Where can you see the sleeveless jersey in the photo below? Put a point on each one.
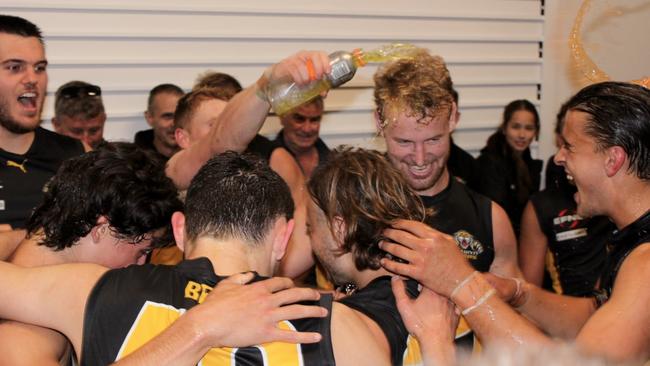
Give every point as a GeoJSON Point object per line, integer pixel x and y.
{"type": "Point", "coordinates": [22, 177]}
{"type": "Point", "coordinates": [128, 307]}
{"type": "Point", "coordinates": [577, 245]}
{"type": "Point", "coordinates": [467, 216]}
{"type": "Point", "coordinates": [377, 302]}
{"type": "Point", "coordinates": [623, 242]}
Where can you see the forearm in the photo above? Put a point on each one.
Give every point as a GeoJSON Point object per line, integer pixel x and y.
{"type": "Point", "coordinates": [493, 320]}
{"type": "Point", "coordinates": [236, 127]}
{"type": "Point", "coordinates": [9, 240]}
{"type": "Point", "coordinates": [183, 343]}
{"type": "Point", "coordinates": [560, 316]}
{"type": "Point", "coordinates": [437, 353]}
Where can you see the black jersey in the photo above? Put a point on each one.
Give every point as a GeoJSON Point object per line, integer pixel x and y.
{"type": "Point", "coordinates": [128, 307]}
{"type": "Point", "coordinates": [377, 302]}
{"type": "Point", "coordinates": [623, 242]}
{"type": "Point", "coordinates": [22, 177]}
{"type": "Point", "coordinates": [262, 147]}
{"type": "Point", "coordinates": [578, 244]}
{"type": "Point", "coordinates": [467, 216]}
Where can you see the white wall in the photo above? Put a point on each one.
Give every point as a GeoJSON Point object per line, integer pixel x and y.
{"type": "Point", "coordinates": [127, 47]}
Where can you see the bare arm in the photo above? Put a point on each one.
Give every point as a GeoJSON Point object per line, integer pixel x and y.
{"type": "Point", "coordinates": [435, 261]}
{"type": "Point", "coordinates": [252, 314]}
{"type": "Point", "coordinates": [505, 244]}
{"type": "Point", "coordinates": [532, 247]}
{"type": "Point", "coordinates": [46, 346]}
{"type": "Point", "coordinates": [242, 118]}
{"type": "Point", "coordinates": [356, 339]}
{"type": "Point", "coordinates": [51, 296]}
{"type": "Point", "coordinates": [9, 241]}
{"type": "Point", "coordinates": [620, 329]}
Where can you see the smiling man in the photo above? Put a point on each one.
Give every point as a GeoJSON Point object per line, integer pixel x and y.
{"type": "Point", "coordinates": [299, 135]}
{"type": "Point", "coordinates": [29, 154]}
{"type": "Point", "coordinates": [79, 112]}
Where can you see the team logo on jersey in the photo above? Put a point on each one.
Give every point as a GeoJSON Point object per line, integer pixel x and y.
{"type": "Point", "coordinates": [567, 219]}
{"type": "Point", "coordinates": [468, 244]}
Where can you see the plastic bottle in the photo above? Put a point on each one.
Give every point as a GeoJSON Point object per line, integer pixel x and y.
{"type": "Point", "coordinates": [285, 95]}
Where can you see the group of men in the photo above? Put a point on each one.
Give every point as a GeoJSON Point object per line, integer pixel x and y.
{"type": "Point", "coordinates": [239, 216]}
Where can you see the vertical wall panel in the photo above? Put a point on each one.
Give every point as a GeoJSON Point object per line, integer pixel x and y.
{"type": "Point", "coordinates": [127, 47]}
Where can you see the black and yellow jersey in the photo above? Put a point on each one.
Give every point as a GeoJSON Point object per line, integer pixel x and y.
{"type": "Point", "coordinates": [129, 306]}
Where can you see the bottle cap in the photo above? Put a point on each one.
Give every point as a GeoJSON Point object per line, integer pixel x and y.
{"type": "Point", "coordinates": [357, 55]}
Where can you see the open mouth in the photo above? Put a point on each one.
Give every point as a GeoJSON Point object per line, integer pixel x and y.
{"type": "Point", "coordinates": [28, 100]}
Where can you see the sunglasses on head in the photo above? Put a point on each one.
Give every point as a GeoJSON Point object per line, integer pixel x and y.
{"type": "Point", "coordinates": [81, 91]}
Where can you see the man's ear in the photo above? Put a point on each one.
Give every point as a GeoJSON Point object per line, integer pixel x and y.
{"type": "Point", "coordinates": [99, 230]}
{"type": "Point", "coordinates": [182, 138]}
{"type": "Point", "coordinates": [379, 123]}
{"type": "Point", "coordinates": [453, 117]}
{"type": "Point", "coordinates": [615, 158]}
{"type": "Point", "coordinates": [149, 118]}
{"type": "Point", "coordinates": [178, 226]}
{"type": "Point", "coordinates": [282, 230]}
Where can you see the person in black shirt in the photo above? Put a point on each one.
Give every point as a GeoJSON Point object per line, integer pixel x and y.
{"type": "Point", "coordinates": [161, 106]}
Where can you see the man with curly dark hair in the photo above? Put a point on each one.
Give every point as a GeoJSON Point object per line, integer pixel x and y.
{"type": "Point", "coordinates": [110, 206]}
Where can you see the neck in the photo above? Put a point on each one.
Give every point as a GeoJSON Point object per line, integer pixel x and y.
{"type": "Point", "coordinates": [363, 278]}
{"type": "Point", "coordinates": [15, 143]}
{"type": "Point", "coordinates": [164, 149]}
{"type": "Point", "coordinates": [439, 185]}
{"type": "Point", "coordinates": [630, 203]}
{"type": "Point", "coordinates": [30, 254]}
{"type": "Point", "coordinates": [229, 256]}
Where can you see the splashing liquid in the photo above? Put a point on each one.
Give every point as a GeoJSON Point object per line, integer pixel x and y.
{"type": "Point", "coordinates": [285, 95]}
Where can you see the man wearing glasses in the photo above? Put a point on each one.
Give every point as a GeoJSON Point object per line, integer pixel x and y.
{"type": "Point", "coordinates": [79, 112]}
{"type": "Point", "coordinates": [29, 154]}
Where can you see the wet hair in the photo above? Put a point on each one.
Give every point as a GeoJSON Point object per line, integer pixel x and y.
{"type": "Point", "coordinates": [420, 86]}
{"type": "Point", "coordinates": [363, 189]}
{"type": "Point", "coordinates": [84, 106]}
{"type": "Point", "coordinates": [118, 181]}
{"type": "Point", "coordinates": [236, 196]}
{"type": "Point", "coordinates": [618, 115]}
{"type": "Point", "coordinates": [162, 89]}
{"type": "Point", "coordinates": [219, 80]}
{"type": "Point", "coordinates": [20, 27]}
{"type": "Point", "coordinates": [515, 106]}
{"type": "Point", "coordinates": [190, 102]}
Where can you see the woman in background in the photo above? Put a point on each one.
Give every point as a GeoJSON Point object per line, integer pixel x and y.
{"type": "Point", "coordinates": [507, 173]}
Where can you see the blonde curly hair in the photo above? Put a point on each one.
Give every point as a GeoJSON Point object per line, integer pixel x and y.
{"type": "Point", "coordinates": [419, 86]}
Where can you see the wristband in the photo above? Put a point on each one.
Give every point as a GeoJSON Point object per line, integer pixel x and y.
{"type": "Point", "coordinates": [462, 283]}
{"type": "Point", "coordinates": [479, 302]}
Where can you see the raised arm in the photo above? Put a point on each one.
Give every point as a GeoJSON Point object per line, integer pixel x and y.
{"type": "Point", "coordinates": [233, 315]}
{"type": "Point", "coordinates": [243, 117]}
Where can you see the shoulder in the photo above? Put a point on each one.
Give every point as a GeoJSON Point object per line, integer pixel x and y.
{"type": "Point", "coordinates": [66, 146]}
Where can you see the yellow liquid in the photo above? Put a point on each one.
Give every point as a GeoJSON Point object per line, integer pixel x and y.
{"type": "Point", "coordinates": [391, 52]}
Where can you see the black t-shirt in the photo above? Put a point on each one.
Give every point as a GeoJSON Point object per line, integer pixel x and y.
{"type": "Point", "coordinates": [461, 164]}
{"type": "Point", "coordinates": [23, 177]}
{"type": "Point", "coordinates": [262, 147]}
{"type": "Point", "coordinates": [127, 307]}
{"type": "Point", "coordinates": [578, 244]}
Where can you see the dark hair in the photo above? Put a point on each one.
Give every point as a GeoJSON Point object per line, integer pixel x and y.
{"type": "Point", "coordinates": [219, 80]}
{"type": "Point", "coordinates": [83, 106]}
{"type": "Point", "coordinates": [236, 196]}
{"type": "Point", "coordinates": [619, 115]}
{"type": "Point", "coordinates": [160, 89]}
{"type": "Point", "coordinates": [190, 102]}
{"type": "Point", "coordinates": [367, 193]}
{"type": "Point", "coordinates": [519, 105]}
{"type": "Point", "coordinates": [10, 24]}
{"type": "Point", "coordinates": [119, 181]}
